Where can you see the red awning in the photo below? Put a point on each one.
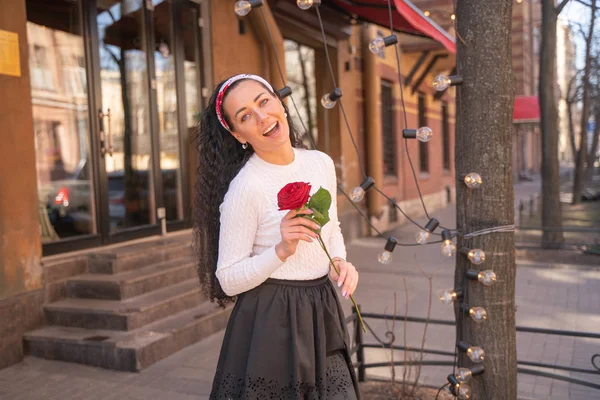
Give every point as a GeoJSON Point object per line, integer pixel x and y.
{"type": "Point", "coordinates": [406, 18]}
{"type": "Point", "coordinates": [527, 109]}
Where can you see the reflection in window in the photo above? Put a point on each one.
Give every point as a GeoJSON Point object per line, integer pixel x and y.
{"type": "Point", "coordinates": [300, 68]}
{"type": "Point", "coordinates": [60, 114]}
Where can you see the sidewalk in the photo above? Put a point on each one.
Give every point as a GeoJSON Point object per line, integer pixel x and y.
{"type": "Point", "coordinates": [557, 298]}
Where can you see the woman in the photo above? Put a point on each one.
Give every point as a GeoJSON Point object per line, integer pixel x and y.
{"type": "Point", "coordinates": [286, 337]}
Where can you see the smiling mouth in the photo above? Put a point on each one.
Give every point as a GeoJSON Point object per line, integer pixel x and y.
{"type": "Point", "coordinates": [272, 130]}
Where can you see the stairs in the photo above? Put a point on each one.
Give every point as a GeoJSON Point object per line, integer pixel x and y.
{"type": "Point", "coordinates": [137, 304]}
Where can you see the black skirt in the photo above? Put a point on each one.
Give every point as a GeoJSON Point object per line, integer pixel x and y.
{"type": "Point", "coordinates": [286, 340]}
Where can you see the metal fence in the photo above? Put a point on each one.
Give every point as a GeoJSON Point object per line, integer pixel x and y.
{"type": "Point", "coordinates": [362, 364]}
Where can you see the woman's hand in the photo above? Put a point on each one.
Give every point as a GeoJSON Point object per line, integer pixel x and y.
{"type": "Point", "coordinates": [348, 276]}
{"type": "Point", "coordinates": [293, 230]}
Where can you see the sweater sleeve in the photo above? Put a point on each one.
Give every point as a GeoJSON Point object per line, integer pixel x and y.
{"type": "Point", "coordinates": [238, 268]}
{"type": "Point", "coordinates": [336, 245]}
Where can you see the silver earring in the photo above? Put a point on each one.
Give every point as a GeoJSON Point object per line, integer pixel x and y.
{"type": "Point", "coordinates": [285, 114]}
{"type": "Point", "coordinates": [244, 146]}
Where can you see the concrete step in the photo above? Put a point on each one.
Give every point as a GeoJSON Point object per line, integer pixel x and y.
{"type": "Point", "coordinates": [125, 315]}
{"type": "Point", "coordinates": [132, 283]}
{"type": "Point", "coordinates": [127, 351]}
{"type": "Point", "coordinates": [139, 255]}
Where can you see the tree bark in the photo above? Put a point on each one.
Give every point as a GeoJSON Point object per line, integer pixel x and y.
{"type": "Point", "coordinates": [551, 209]}
{"type": "Point", "coordinates": [579, 180]}
{"type": "Point", "coordinates": [571, 130]}
{"type": "Point", "coordinates": [594, 148]}
{"type": "Point", "coordinates": [484, 137]}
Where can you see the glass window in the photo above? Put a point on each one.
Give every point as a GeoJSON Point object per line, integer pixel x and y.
{"type": "Point", "coordinates": [61, 124]}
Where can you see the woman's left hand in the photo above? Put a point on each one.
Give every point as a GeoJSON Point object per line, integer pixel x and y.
{"type": "Point", "coordinates": [348, 278]}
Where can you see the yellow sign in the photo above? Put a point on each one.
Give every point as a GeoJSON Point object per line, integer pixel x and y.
{"type": "Point", "coordinates": [10, 62]}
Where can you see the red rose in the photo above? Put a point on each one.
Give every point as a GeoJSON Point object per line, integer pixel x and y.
{"type": "Point", "coordinates": [293, 195]}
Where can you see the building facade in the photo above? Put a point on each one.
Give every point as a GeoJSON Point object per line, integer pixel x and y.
{"type": "Point", "coordinates": [100, 104]}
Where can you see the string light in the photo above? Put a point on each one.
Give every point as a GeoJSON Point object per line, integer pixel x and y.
{"type": "Point", "coordinates": [477, 314]}
{"type": "Point", "coordinates": [476, 256]}
{"type": "Point", "coordinates": [385, 256]}
{"type": "Point", "coordinates": [243, 7]}
{"type": "Point", "coordinates": [378, 44]}
{"type": "Point", "coordinates": [358, 193]}
{"type": "Point", "coordinates": [475, 353]}
{"type": "Point", "coordinates": [473, 180]}
{"type": "Point", "coordinates": [459, 389]}
{"type": "Point", "coordinates": [329, 100]}
{"type": "Point", "coordinates": [306, 4]}
{"type": "Point", "coordinates": [448, 247]}
{"type": "Point", "coordinates": [448, 296]}
{"type": "Point", "coordinates": [464, 375]}
{"type": "Point", "coordinates": [453, 17]}
{"type": "Point", "coordinates": [442, 82]}
{"type": "Point", "coordinates": [487, 277]}
{"type": "Point", "coordinates": [284, 92]}
{"type": "Point", "coordinates": [427, 13]}
{"type": "Point", "coordinates": [423, 235]}
{"type": "Point", "coordinates": [423, 134]}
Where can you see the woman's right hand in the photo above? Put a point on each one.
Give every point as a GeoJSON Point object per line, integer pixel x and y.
{"type": "Point", "coordinates": [292, 231]}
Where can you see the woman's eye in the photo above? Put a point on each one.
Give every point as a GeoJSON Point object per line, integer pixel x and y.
{"type": "Point", "coordinates": [245, 117]}
{"type": "Point", "coordinates": [264, 101]}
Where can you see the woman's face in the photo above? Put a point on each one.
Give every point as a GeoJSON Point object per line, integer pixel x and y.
{"type": "Point", "coordinates": [256, 116]}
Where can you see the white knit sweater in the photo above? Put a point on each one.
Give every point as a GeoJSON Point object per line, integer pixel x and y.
{"type": "Point", "coordinates": [250, 224]}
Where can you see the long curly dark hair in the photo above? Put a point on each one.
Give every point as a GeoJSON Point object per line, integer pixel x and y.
{"type": "Point", "coordinates": [220, 159]}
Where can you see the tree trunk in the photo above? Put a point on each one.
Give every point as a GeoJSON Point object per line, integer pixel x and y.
{"type": "Point", "coordinates": [571, 130]}
{"type": "Point", "coordinates": [484, 135]}
{"type": "Point", "coordinates": [585, 111]}
{"type": "Point", "coordinates": [594, 148]}
{"type": "Point", "coordinates": [551, 211]}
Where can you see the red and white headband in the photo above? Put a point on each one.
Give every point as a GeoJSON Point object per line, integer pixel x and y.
{"type": "Point", "coordinates": [227, 85]}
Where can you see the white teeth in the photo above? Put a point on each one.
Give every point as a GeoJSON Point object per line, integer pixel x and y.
{"type": "Point", "coordinates": [266, 132]}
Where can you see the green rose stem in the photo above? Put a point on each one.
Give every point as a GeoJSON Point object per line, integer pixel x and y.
{"type": "Point", "coordinates": [338, 272]}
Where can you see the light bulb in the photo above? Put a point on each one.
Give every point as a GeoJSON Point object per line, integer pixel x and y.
{"type": "Point", "coordinates": [487, 277]}
{"type": "Point", "coordinates": [478, 314]}
{"type": "Point", "coordinates": [453, 17]}
{"type": "Point", "coordinates": [357, 194]}
{"type": "Point", "coordinates": [327, 102]}
{"type": "Point", "coordinates": [476, 256]}
{"type": "Point", "coordinates": [441, 82]}
{"type": "Point", "coordinates": [384, 257]}
{"type": "Point", "coordinates": [463, 375]}
{"type": "Point", "coordinates": [427, 13]}
{"type": "Point", "coordinates": [448, 296]}
{"type": "Point", "coordinates": [242, 8]}
{"type": "Point", "coordinates": [473, 180]}
{"type": "Point", "coordinates": [476, 354]}
{"type": "Point", "coordinates": [448, 247]}
{"type": "Point", "coordinates": [463, 392]}
{"type": "Point", "coordinates": [377, 45]}
{"type": "Point", "coordinates": [424, 134]}
{"type": "Point", "coordinates": [306, 4]}
{"type": "Point", "coordinates": [422, 237]}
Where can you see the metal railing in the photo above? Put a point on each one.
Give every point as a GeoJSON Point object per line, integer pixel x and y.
{"type": "Point", "coordinates": [362, 365]}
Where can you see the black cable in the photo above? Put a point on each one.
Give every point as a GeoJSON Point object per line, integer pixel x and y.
{"type": "Point", "coordinates": [362, 167]}
{"type": "Point", "coordinates": [440, 391]}
{"type": "Point", "coordinates": [311, 139]}
{"type": "Point", "coordinates": [281, 75]}
{"type": "Point", "coordinates": [404, 112]}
